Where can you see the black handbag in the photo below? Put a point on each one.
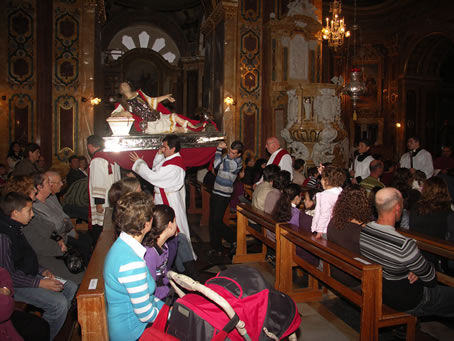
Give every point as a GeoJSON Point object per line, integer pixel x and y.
{"type": "Point", "coordinates": [73, 260]}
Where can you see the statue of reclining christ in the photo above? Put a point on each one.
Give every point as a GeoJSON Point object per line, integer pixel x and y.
{"type": "Point", "coordinates": [150, 116]}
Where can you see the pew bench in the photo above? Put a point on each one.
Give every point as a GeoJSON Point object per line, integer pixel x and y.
{"type": "Point", "coordinates": [246, 212]}
{"type": "Point", "coordinates": [436, 246]}
{"type": "Point", "coordinates": [91, 303]}
{"type": "Point", "coordinates": [374, 314]}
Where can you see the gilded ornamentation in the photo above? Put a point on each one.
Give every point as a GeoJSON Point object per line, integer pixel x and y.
{"type": "Point", "coordinates": [20, 118]}
{"type": "Point", "coordinates": [66, 48]}
{"type": "Point", "coordinates": [66, 125]}
{"type": "Point", "coordinates": [20, 45]}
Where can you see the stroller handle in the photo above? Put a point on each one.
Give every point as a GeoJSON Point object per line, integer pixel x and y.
{"type": "Point", "coordinates": [191, 285]}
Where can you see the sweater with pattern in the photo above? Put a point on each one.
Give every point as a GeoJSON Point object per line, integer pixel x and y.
{"type": "Point", "coordinates": [129, 289]}
{"type": "Point", "coordinates": [398, 256]}
{"type": "Point", "coordinates": [227, 173]}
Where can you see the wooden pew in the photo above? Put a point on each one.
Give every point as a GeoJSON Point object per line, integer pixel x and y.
{"type": "Point", "coordinates": [204, 211]}
{"type": "Point", "coordinates": [374, 314]}
{"type": "Point", "coordinates": [244, 213]}
{"type": "Point", "coordinates": [91, 305]}
{"type": "Point", "coordinates": [436, 246]}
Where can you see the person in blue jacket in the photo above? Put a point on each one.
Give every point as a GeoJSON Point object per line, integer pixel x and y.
{"type": "Point", "coordinates": [129, 287]}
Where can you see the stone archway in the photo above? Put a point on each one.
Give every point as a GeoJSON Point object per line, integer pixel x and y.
{"type": "Point", "coordinates": [428, 92]}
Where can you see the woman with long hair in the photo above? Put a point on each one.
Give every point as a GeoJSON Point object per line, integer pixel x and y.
{"type": "Point", "coordinates": [286, 208]}
{"type": "Point", "coordinates": [432, 213]}
{"type": "Point", "coordinates": [14, 156]}
{"type": "Point", "coordinates": [159, 256]}
{"type": "Point", "coordinates": [350, 213]}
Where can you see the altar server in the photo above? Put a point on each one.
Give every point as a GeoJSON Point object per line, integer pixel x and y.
{"type": "Point", "coordinates": [417, 158]}
{"type": "Point", "coordinates": [167, 175]}
{"type": "Point", "coordinates": [103, 172]}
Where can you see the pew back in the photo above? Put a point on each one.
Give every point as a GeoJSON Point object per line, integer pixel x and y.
{"type": "Point", "coordinates": [91, 304]}
{"type": "Point", "coordinates": [374, 314]}
{"type": "Point", "coordinates": [245, 214]}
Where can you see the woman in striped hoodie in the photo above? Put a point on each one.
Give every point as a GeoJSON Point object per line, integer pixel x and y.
{"type": "Point", "coordinates": [129, 287]}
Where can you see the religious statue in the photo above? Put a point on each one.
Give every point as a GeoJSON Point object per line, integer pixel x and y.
{"type": "Point", "coordinates": [327, 106]}
{"type": "Point", "coordinates": [301, 7]}
{"type": "Point", "coordinates": [323, 150]}
{"type": "Point", "coordinates": [150, 116]}
{"type": "Point", "coordinates": [292, 110]}
{"type": "Point", "coordinates": [298, 149]}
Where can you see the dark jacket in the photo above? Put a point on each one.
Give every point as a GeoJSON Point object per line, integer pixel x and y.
{"type": "Point", "coordinates": [25, 167]}
{"type": "Point", "coordinates": [16, 254]}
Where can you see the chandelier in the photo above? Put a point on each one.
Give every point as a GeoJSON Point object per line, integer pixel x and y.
{"type": "Point", "coordinates": [335, 30]}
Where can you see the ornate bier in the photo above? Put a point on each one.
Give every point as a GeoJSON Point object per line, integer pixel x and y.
{"type": "Point", "coordinates": [153, 142]}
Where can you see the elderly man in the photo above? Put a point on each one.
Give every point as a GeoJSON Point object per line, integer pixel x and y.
{"type": "Point", "coordinates": [417, 158]}
{"type": "Point", "coordinates": [409, 281]}
{"type": "Point", "coordinates": [49, 208]}
{"type": "Point", "coordinates": [279, 157]}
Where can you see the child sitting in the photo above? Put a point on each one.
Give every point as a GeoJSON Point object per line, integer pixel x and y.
{"type": "Point", "coordinates": [32, 283]}
{"type": "Point", "coordinates": [333, 178]}
{"type": "Point", "coordinates": [311, 180]}
{"type": "Point", "coordinates": [159, 256]}
{"type": "Point", "coordinates": [286, 209]}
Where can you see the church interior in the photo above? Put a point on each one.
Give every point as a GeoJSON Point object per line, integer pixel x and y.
{"type": "Point", "coordinates": [237, 59]}
{"type": "Point", "coordinates": [261, 68]}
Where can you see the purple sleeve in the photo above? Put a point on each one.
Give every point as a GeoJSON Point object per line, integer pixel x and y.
{"type": "Point", "coordinates": [20, 279]}
{"type": "Point", "coordinates": [150, 260]}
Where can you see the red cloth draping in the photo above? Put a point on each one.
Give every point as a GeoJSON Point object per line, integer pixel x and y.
{"type": "Point", "coordinates": [193, 157]}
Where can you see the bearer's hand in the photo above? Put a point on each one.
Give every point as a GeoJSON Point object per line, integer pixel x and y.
{"type": "Point", "coordinates": [134, 157]}
{"type": "Point", "coordinates": [222, 145]}
{"type": "Point", "coordinates": [319, 235]}
{"type": "Point", "coordinates": [51, 284]}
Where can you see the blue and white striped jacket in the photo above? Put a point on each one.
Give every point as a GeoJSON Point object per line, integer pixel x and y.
{"type": "Point", "coordinates": [129, 289]}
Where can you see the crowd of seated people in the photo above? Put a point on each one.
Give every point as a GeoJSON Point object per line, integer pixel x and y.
{"type": "Point", "coordinates": [350, 207]}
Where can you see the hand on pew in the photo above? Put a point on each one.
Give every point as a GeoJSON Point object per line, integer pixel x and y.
{"type": "Point", "coordinates": [319, 235]}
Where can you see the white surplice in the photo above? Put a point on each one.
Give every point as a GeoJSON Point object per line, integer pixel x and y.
{"type": "Point", "coordinates": [100, 182]}
{"type": "Point", "coordinates": [171, 179]}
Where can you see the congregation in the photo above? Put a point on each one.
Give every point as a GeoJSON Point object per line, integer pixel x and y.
{"type": "Point", "coordinates": [43, 255]}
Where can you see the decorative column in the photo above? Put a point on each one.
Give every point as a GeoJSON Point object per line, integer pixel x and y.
{"type": "Point", "coordinates": [249, 70]}
{"type": "Point", "coordinates": [87, 72]}
{"type": "Point", "coordinates": [221, 75]}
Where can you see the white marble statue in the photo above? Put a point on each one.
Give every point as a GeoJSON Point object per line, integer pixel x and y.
{"type": "Point", "coordinates": [298, 58]}
{"type": "Point", "coordinates": [292, 108]}
{"type": "Point", "coordinates": [301, 7]}
{"type": "Point", "coordinates": [298, 149]}
{"type": "Point", "coordinates": [323, 150]}
{"type": "Point", "coordinates": [327, 106]}
{"type": "Point", "coordinates": [307, 108]}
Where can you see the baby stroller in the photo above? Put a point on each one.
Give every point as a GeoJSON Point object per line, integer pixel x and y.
{"type": "Point", "coordinates": [236, 304]}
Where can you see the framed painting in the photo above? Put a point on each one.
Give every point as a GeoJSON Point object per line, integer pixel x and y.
{"type": "Point", "coordinates": [370, 103]}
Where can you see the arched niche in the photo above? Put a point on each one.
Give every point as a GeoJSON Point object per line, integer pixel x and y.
{"type": "Point", "coordinates": [145, 69]}
{"type": "Point", "coordinates": [428, 91]}
{"type": "Point", "coordinates": [143, 37]}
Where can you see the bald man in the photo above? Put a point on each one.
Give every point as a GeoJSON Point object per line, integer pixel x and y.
{"type": "Point", "coordinates": [279, 157]}
{"type": "Point", "coordinates": [376, 168]}
{"type": "Point", "coordinates": [409, 280]}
